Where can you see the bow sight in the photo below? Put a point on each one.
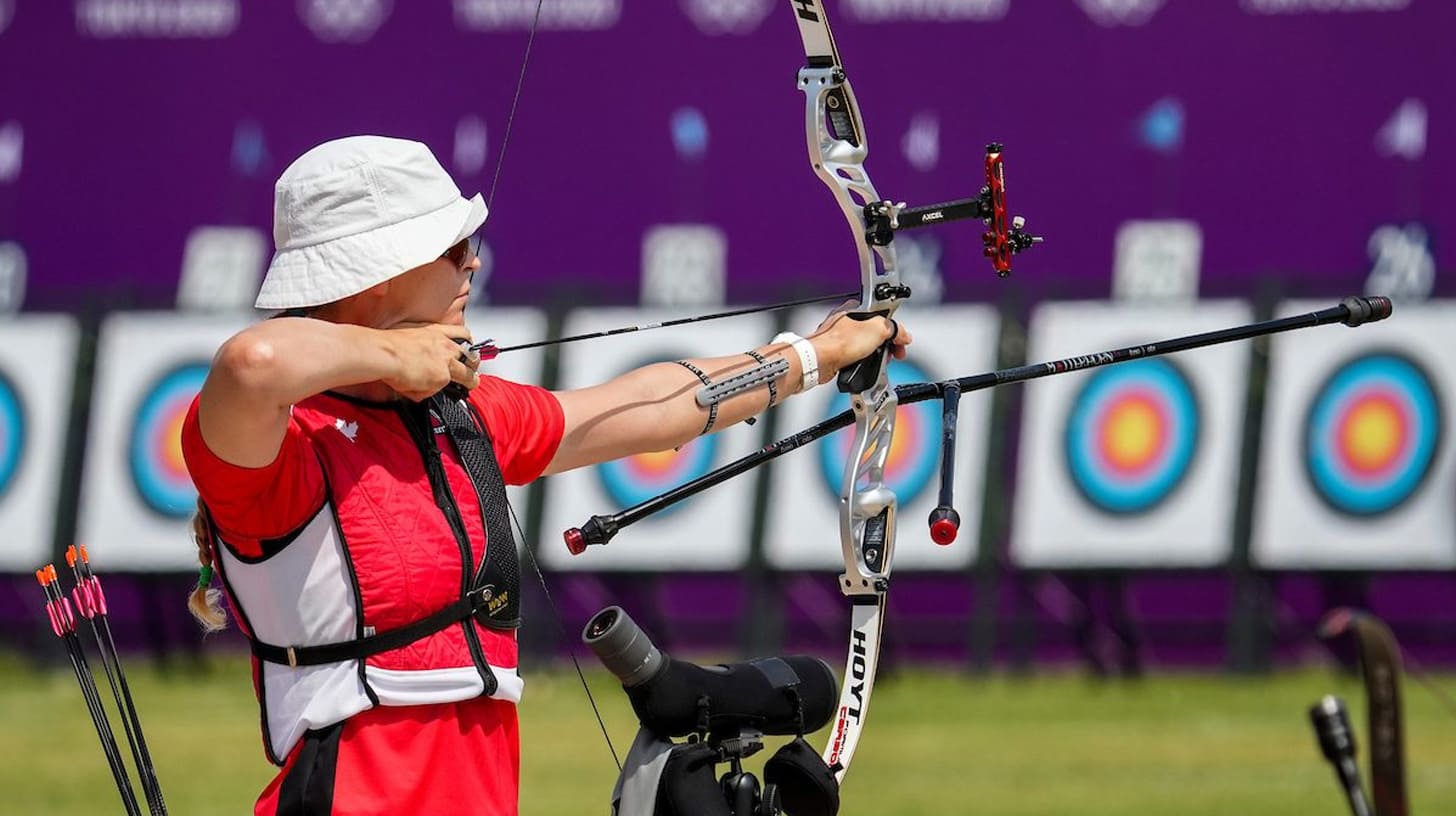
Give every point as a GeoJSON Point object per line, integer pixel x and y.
{"type": "Point", "coordinates": [1006, 237]}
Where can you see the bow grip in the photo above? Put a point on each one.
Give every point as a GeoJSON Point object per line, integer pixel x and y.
{"type": "Point", "coordinates": [861, 375]}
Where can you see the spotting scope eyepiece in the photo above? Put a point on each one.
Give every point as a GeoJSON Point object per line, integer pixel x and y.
{"type": "Point", "coordinates": [622, 646]}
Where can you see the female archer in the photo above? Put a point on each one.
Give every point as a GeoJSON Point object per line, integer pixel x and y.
{"type": "Point", "coordinates": [351, 465]}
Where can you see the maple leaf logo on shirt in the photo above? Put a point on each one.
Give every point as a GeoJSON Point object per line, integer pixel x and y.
{"type": "Point", "coordinates": [350, 430]}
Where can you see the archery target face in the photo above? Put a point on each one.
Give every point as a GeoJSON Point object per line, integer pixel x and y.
{"type": "Point", "coordinates": [154, 451]}
{"type": "Point", "coordinates": [1371, 434]}
{"type": "Point", "coordinates": [37, 370]}
{"type": "Point", "coordinates": [136, 497]}
{"type": "Point", "coordinates": [913, 465]}
{"type": "Point", "coordinates": [1356, 466]}
{"type": "Point", "coordinates": [12, 433]}
{"type": "Point", "coordinates": [1132, 464]}
{"type": "Point", "coordinates": [635, 479]}
{"type": "Point", "coordinates": [1131, 435]}
{"type": "Point", "coordinates": [706, 531]}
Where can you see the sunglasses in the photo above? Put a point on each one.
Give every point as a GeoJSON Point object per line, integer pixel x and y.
{"type": "Point", "coordinates": [462, 254]}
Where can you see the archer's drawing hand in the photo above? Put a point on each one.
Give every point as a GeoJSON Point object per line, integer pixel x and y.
{"type": "Point", "coordinates": [430, 357]}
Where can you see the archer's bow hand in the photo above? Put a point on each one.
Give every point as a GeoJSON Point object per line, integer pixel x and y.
{"type": "Point", "coordinates": [845, 338]}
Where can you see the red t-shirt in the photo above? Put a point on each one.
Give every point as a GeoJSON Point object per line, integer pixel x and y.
{"type": "Point", "coordinates": [447, 758]}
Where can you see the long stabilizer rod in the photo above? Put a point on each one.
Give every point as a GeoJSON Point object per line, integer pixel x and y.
{"type": "Point", "coordinates": [1352, 311]}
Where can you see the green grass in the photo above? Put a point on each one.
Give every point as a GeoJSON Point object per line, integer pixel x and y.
{"type": "Point", "coordinates": [937, 743]}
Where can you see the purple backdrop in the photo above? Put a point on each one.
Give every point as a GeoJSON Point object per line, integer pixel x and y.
{"type": "Point", "coordinates": [1266, 137]}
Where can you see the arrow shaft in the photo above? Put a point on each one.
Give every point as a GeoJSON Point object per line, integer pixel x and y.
{"type": "Point", "coordinates": [102, 723]}
{"type": "Point", "coordinates": [91, 602]}
{"type": "Point", "coordinates": [481, 348]}
{"type": "Point", "coordinates": [130, 722]}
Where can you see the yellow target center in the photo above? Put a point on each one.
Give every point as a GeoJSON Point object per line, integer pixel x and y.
{"type": "Point", "coordinates": [172, 442]}
{"type": "Point", "coordinates": [657, 461]}
{"type": "Point", "coordinates": [1371, 436]}
{"type": "Point", "coordinates": [1132, 434]}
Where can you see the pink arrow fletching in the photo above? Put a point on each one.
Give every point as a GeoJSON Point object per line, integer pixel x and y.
{"type": "Point", "coordinates": [83, 601]}
{"type": "Point", "coordinates": [98, 598]}
{"type": "Point", "coordinates": [68, 618]}
{"type": "Point", "coordinates": [55, 620]}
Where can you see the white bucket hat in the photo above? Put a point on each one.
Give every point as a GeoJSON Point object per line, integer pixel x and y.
{"type": "Point", "coordinates": [356, 212]}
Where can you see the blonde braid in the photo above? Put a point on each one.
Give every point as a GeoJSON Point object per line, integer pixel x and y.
{"type": "Point", "coordinates": [205, 603]}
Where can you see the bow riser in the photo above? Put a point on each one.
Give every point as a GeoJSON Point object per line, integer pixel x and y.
{"type": "Point", "coordinates": [837, 149]}
{"type": "Point", "coordinates": [867, 505]}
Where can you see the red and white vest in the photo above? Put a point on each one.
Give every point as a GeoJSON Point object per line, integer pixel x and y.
{"type": "Point", "coordinates": [398, 535]}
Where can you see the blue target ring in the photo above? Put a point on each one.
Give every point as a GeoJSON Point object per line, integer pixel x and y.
{"type": "Point", "coordinates": [154, 448]}
{"type": "Point", "coordinates": [914, 458]}
{"type": "Point", "coordinates": [1372, 433]}
{"type": "Point", "coordinates": [12, 433]}
{"type": "Point", "coordinates": [634, 479]}
{"type": "Point", "coordinates": [1131, 435]}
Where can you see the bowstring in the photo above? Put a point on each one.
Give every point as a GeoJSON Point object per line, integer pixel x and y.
{"type": "Point", "coordinates": [561, 629]}
{"type": "Point", "coordinates": [515, 100]}
{"type": "Point", "coordinates": [525, 542]}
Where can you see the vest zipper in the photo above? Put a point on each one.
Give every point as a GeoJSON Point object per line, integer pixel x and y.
{"type": "Point", "coordinates": [417, 419]}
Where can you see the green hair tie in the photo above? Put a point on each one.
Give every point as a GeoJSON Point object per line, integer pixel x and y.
{"type": "Point", "coordinates": [204, 576]}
